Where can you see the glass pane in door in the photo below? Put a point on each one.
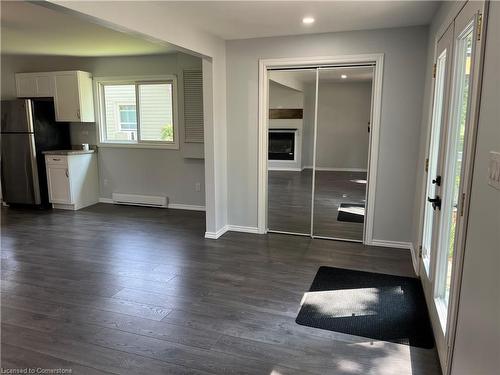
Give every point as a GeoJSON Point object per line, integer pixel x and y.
{"type": "Point", "coordinates": [342, 144]}
{"type": "Point", "coordinates": [454, 156]}
{"type": "Point", "coordinates": [433, 157]}
{"type": "Point", "coordinates": [292, 101]}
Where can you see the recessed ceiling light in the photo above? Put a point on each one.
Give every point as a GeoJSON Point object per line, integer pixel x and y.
{"type": "Point", "coordinates": [343, 76]}
{"type": "Point", "coordinates": [307, 20]}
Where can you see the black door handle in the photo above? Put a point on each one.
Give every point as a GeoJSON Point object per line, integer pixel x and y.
{"type": "Point", "coordinates": [436, 202]}
{"type": "Point", "coordinates": [437, 181]}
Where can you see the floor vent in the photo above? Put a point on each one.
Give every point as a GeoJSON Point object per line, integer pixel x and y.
{"type": "Point", "coordinates": [140, 200]}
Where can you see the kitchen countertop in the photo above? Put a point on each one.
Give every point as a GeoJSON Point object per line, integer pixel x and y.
{"type": "Point", "coordinates": [68, 152]}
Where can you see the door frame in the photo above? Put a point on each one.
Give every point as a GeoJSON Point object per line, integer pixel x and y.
{"type": "Point", "coordinates": [302, 62]}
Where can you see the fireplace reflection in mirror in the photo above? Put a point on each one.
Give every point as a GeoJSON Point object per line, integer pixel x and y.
{"type": "Point", "coordinates": [282, 144]}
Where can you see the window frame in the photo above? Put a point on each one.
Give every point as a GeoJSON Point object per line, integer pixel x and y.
{"type": "Point", "coordinates": [100, 82]}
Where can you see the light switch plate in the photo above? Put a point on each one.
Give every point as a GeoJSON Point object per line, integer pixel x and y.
{"type": "Point", "coordinates": [494, 170]}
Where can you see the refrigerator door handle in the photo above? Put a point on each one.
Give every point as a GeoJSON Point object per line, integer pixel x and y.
{"type": "Point", "coordinates": [29, 115]}
{"type": "Point", "coordinates": [34, 168]}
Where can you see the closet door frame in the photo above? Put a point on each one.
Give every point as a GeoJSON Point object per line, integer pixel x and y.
{"type": "Point", "coordinates": [377, 60]}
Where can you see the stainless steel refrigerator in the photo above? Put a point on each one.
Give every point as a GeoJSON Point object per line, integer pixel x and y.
{"type": "Point", "coordinates": [28, 128]}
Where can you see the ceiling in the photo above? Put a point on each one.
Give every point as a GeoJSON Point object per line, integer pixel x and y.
{"type": "Point", "coordinates": [27, 28]}
{"type": "Point", "coordinates": [297, 79]}
{"type": "Point", "coordinates": [251, 19]}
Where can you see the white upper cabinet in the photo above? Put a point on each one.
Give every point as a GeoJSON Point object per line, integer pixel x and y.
{"type": "Point", "coordinates": [34, 85]}
{"type": "Point", "coordinates": [71, 90]}
{"type": "Point", "coordinates": [73, 96]}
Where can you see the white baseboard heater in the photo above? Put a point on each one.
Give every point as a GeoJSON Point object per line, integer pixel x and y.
{"type": "Point", "coordinates": [140, 200]}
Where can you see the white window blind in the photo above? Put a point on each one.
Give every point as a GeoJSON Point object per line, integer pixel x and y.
{"type": "Point", "coordinates": [193, 106]}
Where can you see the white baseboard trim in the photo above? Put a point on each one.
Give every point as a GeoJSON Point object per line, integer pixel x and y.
{"type": "Point", "coordinates": [215, 235]}
{"type": "Point", "coordinates": [393, 244]}
{"type": "Point", "coordinates": [341, 169]}
{"type": "Point", "coordinates": [231, 228]}
{"type": "Point", "coordinates": [327, 169]}
{"type": "Point", "coordinates": [239, 228]}
{"type": "Point", "coordinates": [284, 169]}
{"type": "Point", "coordinates": [106, 200]}
{"type": "Point", "coordinates": [174, 206]}
{"type": "Point", "coordinates": [414, 259]}
{"type": "Point", "coordinates": [191, 207]}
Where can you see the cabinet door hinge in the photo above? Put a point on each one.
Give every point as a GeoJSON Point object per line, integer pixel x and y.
{"type": "Point", "coordinates": [427, 165]}
{"type": "Point", "coordinates": [479, 26]}
{"type": "Point", "coordinates": [434, 67]}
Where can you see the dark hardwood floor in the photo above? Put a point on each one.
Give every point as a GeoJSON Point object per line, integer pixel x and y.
{"type": "Point", "coordinates": [131, 290]}
{"type": "Point", "coordinates": [289, 202]}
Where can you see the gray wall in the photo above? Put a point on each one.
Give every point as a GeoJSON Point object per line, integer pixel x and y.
{"type": "Point", "coordinates": [343, 116]}
{"type": "Point", "coordinates": [308, 130]}
{"type": "Point", "coordinates": [405, 52]}
{"type": "Point", "coordinates": [126, 170]}
{"type": "Point", "coordinates": [477, 345]}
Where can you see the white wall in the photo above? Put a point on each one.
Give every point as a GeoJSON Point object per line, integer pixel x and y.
{"type": "Point", "coordinates": [281, 96]}
{"type": "Point", "coordinates": [405, 52]}
{"type": "Point", "coordinates": [288, 79]}
{"type": "Point", "coordinates": [125, 170]}
{"type": "Point", "coordinates": [477, 346]}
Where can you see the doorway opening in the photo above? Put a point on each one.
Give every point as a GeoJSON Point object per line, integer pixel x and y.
{"type": "Point", "coordinates": [319, 126]}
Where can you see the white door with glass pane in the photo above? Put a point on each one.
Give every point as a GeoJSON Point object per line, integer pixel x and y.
{"type": "Point", "coordinates": [451, 143]}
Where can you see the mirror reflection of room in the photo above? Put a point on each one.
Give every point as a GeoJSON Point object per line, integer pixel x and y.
{"type": "Point", "coordinates": [317, 182]}
{"type": "Point", "coordinates": [290, 145]}
{"type": "Point", "coordinates": [344, 107]}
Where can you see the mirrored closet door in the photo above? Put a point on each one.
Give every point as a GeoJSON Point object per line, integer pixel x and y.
{"type": "Point", "coordinates": [292, 106]}
{"type": "Point", "coordinates": [342, 143]}
{"type": "Point", "coordinates": [318, 150]}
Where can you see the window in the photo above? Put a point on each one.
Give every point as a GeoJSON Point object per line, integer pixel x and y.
{"type": "Point", "coordinates": [138, 112]}
{"type": "Point", "coordinates": [128, 117]}
{"type": "Point", "coordinates": [453, 177]}
{"type": "Point", "coordinates": [437, 121]}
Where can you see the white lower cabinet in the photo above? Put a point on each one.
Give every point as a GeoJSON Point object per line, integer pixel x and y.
{"type": "Point", "coordinates": [59, 185]}
{"type": "Point", "coordinates": [72, 180]}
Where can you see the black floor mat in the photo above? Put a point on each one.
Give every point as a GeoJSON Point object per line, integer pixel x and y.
{"type": "Point", "coordinates": [373, 305]}
{"type": "Point", "coordinates": [351, 212]}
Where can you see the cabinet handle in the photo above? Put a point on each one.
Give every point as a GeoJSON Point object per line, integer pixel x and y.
{"type": "Point", "coordinates": [67, 173]}
{"type": "Point", "coordinates": [56, 159]}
